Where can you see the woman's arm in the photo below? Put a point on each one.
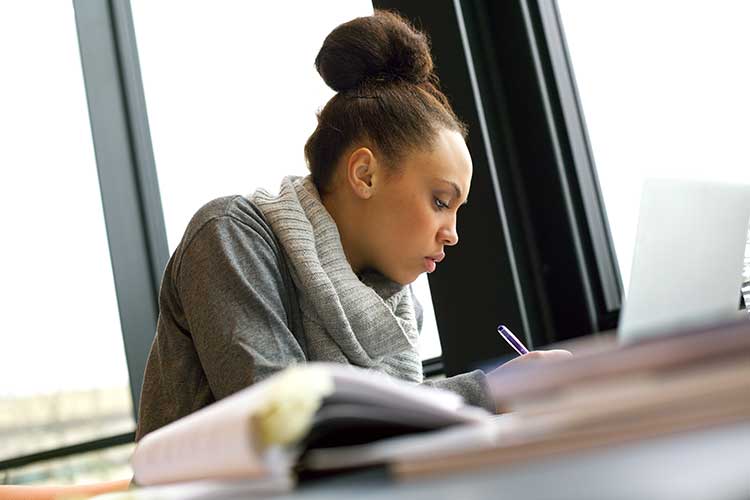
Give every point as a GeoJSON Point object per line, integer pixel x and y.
{"type": "Point", "coordinates": [236, 303]}
{"type": "Point", "coordinates": [472, 386]}
{"type": "Point", "coordinates": [226, 318]}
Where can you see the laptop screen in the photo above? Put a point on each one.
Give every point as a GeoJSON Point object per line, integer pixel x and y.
{"type": "Point", "coordinates": [688, 257]}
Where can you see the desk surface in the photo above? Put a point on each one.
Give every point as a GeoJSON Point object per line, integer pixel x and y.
{"type": "Point", "coordinates": [712, 464]}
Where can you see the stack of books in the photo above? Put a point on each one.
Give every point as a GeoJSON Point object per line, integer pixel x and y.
{"type": "Point", "coordinates": [685, 382]}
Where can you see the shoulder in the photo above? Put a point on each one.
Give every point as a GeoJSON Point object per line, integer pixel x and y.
{"type": "Point", "coordinates": [228, 210]}
{"type": "Point", "coordinates": [229, 228]}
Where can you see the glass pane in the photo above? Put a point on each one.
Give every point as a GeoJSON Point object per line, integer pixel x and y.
{"type": "Point", "coordinates": [429, 340]}
{"type": "Point", "coordinates": [62, 364]}
{"type": "Point", "coordinates": [664, 88]}
{"type": "Point", "coordinates": [230, 110]}
{"type": "Point", "coordinates": [108, 464]}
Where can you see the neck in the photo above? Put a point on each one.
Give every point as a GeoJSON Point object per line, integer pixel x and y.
{"type": "Point", "coordinates": [344, 215]}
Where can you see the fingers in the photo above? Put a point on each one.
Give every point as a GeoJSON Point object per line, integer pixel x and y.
{"type": "Point", "coordinates": [532, 358]}
{"type": "Point", "coordinates": [556, 354]}
{"type": "Point", "coordinates": [552, 354]}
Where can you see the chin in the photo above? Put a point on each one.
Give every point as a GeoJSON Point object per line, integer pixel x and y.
{"type": "Point", "coordinates": [402, 279]}
{"type": "Point", "coordinates": [407, 279]}
{"type": "Point", "coordinates": [403, 276]}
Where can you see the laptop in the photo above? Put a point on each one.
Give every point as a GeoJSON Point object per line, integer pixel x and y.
{"type": "Point", "coordinates": [688, 257]}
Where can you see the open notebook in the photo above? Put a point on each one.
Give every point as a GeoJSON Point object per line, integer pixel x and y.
{"type": "Point", "coordinates": [265, 431]}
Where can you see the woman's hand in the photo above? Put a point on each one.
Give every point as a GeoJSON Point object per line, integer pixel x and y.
{"type": "Point", "coordinates": [495, 377]}
{"type": "Point", "coordinates": [533, 357]}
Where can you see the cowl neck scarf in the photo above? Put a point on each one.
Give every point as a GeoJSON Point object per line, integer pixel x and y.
{"type": "Point", "coordinates": [366, 320]}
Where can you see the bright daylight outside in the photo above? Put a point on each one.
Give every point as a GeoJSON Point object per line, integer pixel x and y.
{"type": "Point", "coordinates": [664, 89]}
{"type": "Point", "coordinates": [62, 364]}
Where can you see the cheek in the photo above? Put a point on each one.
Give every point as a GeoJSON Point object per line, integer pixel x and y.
{"type": "Point", "coordinates": [405, 232]}
{"type": "Point", "coordinates": [412, 222]}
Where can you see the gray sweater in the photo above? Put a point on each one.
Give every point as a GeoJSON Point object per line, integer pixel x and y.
{"type": "Point", "coordinates": [230, 316]}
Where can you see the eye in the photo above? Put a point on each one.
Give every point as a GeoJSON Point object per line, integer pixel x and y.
{"type": "Point", "coordinates": [440, 204]}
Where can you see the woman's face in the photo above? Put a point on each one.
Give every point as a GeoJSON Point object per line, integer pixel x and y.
{"type": "Point", "coordinates": [411, 216]}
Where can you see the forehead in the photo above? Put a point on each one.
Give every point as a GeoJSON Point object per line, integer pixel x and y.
{"type": "Point", "coordinates": [447, 160]}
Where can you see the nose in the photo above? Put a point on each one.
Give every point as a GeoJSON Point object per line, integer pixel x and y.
{"type": "Point", "coordinates": [448, 234]}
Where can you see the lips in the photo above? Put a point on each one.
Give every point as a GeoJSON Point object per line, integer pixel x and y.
{"type": "Point", "coordinates": [438, 257]}
{"type": "Point", "coordinates": [429, 265]}
{"type": "Point", "coordinates": [432, 261]}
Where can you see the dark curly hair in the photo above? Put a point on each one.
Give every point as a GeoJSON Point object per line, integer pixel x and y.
{"type": "Point", "coordinates": [387, 93]}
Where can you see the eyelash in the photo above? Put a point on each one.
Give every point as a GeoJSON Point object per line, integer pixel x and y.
{"type": "Point", "coordinates": [440, 204]}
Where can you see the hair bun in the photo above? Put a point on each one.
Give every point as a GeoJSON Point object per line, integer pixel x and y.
{"type": "Point", "coordinates": [381, 47]}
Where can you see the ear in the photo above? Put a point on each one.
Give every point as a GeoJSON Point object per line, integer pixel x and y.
{"type": "Point", "coordinates": [361, 171]}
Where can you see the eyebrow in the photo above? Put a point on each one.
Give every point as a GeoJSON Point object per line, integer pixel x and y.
{"type": "Point", "coordinates": [455, 188]}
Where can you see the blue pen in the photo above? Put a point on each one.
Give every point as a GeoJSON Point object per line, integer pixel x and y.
{"type": "Point", "coordinates": [512, 340]}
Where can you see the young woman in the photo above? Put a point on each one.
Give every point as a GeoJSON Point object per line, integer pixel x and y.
{"type": "Point", "coordinates": [320, 272]}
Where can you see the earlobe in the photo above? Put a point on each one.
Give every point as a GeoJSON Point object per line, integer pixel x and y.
{"type": "Point", "coordinates": [364, 190]}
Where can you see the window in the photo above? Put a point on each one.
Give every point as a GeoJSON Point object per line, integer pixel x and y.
{"type": "Point", "coordinates": [232, 95]}
{"type": "Point", "coordinates": [663, 86]}
{"type": "Point", "coordinates": [65, 379]}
